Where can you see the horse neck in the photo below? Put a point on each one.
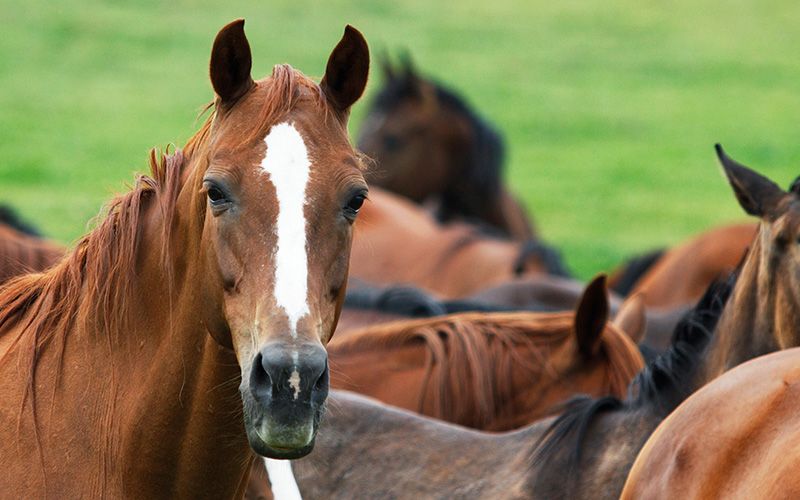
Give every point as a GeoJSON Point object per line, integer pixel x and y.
{"type": "Point", "coordinates": [750, 324]}
{"type": "Point", "coordinates": [203, 448]}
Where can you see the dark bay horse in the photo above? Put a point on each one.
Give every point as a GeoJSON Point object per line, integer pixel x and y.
{"type": "Point", "coordinates": [432, 148]}
{"type": "Point", "coordinates": [492, 371]}
{"type": "Point", "coordinates": [682, 273]}
{"type": "Point", "coordinates": [192, 313]}
{"type": "Point", "coordinates": [22, 250]}
{"type": "Point", "coordinates": [397, 241]}
{"type": "Point", "coordinates": [734, 438]}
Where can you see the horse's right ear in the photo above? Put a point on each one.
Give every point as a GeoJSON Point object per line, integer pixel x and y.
{"type": "Point", "coordinates": [591, 316]}
{"type": "Point", "coordinates": [757, 195]}
{"type": "Point", "coordinates": [231, 63]}
{"type": "Point", "coordinates": [347, 70]}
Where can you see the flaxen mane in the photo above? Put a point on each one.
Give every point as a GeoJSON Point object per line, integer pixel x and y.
{"type": "Point", "coordinates": [475, 355]}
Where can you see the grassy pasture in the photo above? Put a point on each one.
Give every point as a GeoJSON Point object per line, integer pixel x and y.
{"type": "Point", "coordinates": [610, 109]}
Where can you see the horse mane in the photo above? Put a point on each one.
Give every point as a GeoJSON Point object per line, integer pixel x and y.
{"type": "Point", "coordinates": [412, 302]}
{"type": "Point", "coordinates": [661, 386]}
{"type": "Point", "coordinates": [475, 354]}
{"type": "Point", "coordinates": [548, 255]}
{"type": "Point", "coordinates": [634, 268]}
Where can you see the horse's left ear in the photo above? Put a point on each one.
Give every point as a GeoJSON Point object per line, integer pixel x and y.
{"type": "Point", "coordinates": [347, 70]}
{"type": "Point", "coordinates": [591, 316]}
{"type": "Point", "coordinates": [231, 62]}
{"type": "Point", "coordinates": [757, 195]}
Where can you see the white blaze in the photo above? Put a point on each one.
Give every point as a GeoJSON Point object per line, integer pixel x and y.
{"type": "Point", "coordinates": [286, 161]}
{"type": "Point", "coordinates": [281, 479]}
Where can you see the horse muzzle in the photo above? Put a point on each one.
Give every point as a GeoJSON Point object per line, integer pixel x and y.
{"type": "Point", "coordinates": [284, 398]}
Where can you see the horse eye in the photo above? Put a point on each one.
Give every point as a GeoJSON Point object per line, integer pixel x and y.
{"type": "Point", "coordinates": [215, 195]}
{"type": "Point", "coordinates": [354, 205]}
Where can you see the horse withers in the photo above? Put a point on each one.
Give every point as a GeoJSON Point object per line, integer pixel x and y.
{"type": "Point", "coordinates": [226, 268]}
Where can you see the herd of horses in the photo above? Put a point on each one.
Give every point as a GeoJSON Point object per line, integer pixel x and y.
{"type": "Point", "coordinates": [386, 321]}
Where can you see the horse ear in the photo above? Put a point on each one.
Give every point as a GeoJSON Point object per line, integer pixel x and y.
{"type": "Point", "coordinates": [757, 195]}
{"type": "Point", "coordinates": [231, 63]}
{"type": "Point", "coordinates": [347, 70]}
{"type": "Point", "coordinates": [591, 316]}
{"type": "Point", "coordinates": [631, 317]}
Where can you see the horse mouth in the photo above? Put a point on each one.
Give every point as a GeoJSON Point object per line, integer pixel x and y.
{"type": "Point", "coordinates": [281, 442]}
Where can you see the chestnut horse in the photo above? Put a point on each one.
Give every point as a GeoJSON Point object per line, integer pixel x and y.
{"type": "Point", "coordinates": [762, 315]}
{"type": "Point", "coordinates": [492, 371]}
{"type": "Point", "coordinates": [120, 365]}
{"type": "Point", "coordinates": [396, 241]}
{"type": "Point", "coordinates": [22, 250]}
{"type": "Point", "coordinates": [734, 438]}
{"type": "Point", "coordinates": [432, 148]}
{"type": "Point", "coordinates": [681, 274]}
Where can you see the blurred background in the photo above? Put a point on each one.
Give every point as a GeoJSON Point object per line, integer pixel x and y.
{"type": "Point", "coordinates": [609, 109]}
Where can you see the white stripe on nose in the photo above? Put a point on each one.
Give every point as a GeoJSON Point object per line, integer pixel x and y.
{"type": "Point", "coordinates": [286, 161]}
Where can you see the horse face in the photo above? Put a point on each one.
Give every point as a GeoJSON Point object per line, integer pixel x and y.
{"type": "Point", "coordinates": [283, 187]}
{"type": "Point", "coordinates": [412, 139]}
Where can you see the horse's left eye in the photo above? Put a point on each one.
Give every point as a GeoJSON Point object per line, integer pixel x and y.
{"type": "Point", "coordinates": [354, 205]}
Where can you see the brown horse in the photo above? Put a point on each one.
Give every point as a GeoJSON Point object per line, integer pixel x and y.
{"type": "Point", "coordinates": [492, 371]}
{"type": "Point", "coordinates": [681, 274]}
{"type": "Point", "coordinates": [396, 241]}
{"type": "Point", "coordinates": [120, 365]}
{"type": "Point", "coordinates": [736, 437]}
{"type": "Point", "coordinates": [21, 248]}
{"type": "Point", "coordinates": [432, 148]}
{"type": "Point", "coordinates": [762, 315]}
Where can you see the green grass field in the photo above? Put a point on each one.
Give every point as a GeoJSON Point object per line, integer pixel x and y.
{"type": "Point", "coordinates": [610, 109]}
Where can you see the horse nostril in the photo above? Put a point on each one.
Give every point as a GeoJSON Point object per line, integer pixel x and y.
{"type": "Point", "coordinates": [323, 380]}
{"type": "Point", "coordinates": [260, 380]}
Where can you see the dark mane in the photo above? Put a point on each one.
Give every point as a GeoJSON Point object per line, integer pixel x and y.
{"type": "Point", "coordinates": [548, 255]}
{"type": "Point", "coordinates": [481, 175]}
{"type": "Point", "coordinates": [412, 302]}
{"type": "Point", "coordinates": [661, 386]}
{"type": "Point", "coordinates": [9, 217]}
{"type": "Point", "coordinates": [633, 269]}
